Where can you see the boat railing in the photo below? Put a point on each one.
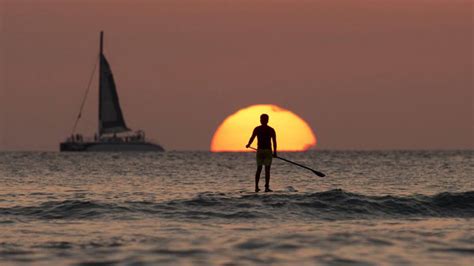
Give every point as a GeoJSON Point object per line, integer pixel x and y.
{"type": "Point", "coordinates": [78, 138]}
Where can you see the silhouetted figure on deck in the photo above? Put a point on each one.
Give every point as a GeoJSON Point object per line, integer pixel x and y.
{"type": "Point", "coordinates": [265, 135]}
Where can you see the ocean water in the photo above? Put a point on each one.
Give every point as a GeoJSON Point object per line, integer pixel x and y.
{"type": "Point", "coordinates": [198, 208]}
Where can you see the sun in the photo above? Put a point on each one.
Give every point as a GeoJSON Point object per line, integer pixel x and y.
{"type": "Point", "coordinates": [293, 133]}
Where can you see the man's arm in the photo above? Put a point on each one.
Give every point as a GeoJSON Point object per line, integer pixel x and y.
{"type": "Point", "coordinates": [274, 138]}
{"type": "Point", "coordinates": [254, 134]}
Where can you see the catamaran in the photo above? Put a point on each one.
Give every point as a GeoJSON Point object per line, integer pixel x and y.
{"type": "Point", "coordinates": [113, 134]}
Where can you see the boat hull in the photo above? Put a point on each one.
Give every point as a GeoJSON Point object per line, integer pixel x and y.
{"type": "Point", "coordinates": [108, 146]}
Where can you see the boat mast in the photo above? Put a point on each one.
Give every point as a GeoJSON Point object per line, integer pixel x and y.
{"type": "Point", "coordinates": [101, 49]}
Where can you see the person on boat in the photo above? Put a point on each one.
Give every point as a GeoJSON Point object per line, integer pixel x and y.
{"type": "Point", "coordinates": [265, 135]}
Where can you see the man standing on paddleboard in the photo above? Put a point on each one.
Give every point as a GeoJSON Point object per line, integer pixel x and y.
{"type": "Point", "coordinates": [265, 135]}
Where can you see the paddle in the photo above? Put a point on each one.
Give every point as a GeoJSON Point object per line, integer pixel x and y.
{"type": "Point", "coordinates": [300, 165]}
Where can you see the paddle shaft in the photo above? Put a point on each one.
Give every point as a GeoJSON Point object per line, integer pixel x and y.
{"type": "Point", "coordinates": [297, 164]}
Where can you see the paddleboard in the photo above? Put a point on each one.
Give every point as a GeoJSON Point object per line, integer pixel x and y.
{"type": "Point", "coordinates": [288, 189]}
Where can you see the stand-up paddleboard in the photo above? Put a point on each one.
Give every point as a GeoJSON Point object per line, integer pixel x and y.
{"type": "Point", "coordinates": [288, 189]}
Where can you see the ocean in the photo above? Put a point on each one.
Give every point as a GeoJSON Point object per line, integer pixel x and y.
{"type": "Point", "coordinates": [199, 208]}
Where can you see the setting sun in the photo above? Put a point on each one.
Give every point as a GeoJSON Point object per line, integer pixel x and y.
{"type": "Point", "coordinates": [293, 133]}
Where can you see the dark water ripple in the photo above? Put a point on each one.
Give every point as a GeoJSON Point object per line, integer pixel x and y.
{"type": "Point", "coordinates": [333, 204]}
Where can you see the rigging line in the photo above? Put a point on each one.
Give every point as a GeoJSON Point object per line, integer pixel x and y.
{"type": "Point", "coordinates": [85, 97]}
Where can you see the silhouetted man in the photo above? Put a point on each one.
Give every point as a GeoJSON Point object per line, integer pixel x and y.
{"type": "Point", "coordinates": [265, 135]}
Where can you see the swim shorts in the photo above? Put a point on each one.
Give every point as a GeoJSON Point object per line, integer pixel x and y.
{"type": "Point", "coordinates": [264, 157]}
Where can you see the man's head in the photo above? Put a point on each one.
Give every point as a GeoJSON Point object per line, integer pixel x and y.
{"type": "Point", "coordinates": [264, 119]}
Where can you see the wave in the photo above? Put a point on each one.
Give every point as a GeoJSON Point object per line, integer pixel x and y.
{"type": "Point", "coordinates": [333, 205]}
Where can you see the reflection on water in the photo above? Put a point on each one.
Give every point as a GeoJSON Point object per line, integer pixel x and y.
{"type": "Point", "coordinates": [197, 208]}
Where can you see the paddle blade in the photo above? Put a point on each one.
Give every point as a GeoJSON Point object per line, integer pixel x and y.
{"type": "Point", "coordinates": [318, 173]}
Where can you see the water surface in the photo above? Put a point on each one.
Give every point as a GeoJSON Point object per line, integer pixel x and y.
{"type": "Point", "coordinates": [181, 208]}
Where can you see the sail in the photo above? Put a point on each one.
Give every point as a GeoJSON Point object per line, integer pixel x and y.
{"type": "Point", "coordinates": [110, 115]}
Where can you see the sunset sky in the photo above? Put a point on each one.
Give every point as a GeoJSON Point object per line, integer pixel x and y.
{"type": "Point", "coordinates": [364, 74]}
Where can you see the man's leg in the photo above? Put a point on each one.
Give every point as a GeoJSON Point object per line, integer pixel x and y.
{"type": "Point", "coordinates": [257, 177]}
{"type": "Point", "coordinates": [267, 178]}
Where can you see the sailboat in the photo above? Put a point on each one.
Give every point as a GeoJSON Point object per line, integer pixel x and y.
{"type": "Point", "coordinates": [113, 133]}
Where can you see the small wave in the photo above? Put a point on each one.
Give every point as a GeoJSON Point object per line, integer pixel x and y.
{"type": "Point", "coordinates": [332, 204]}
{"type": "Point", "coordinates": [467, 251]}
{"type": "Point", "coordinates": [73, 209]}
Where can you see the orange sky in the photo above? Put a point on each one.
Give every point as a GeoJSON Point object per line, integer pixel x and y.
{"type": "Point", "coordinates": [367, 74]}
